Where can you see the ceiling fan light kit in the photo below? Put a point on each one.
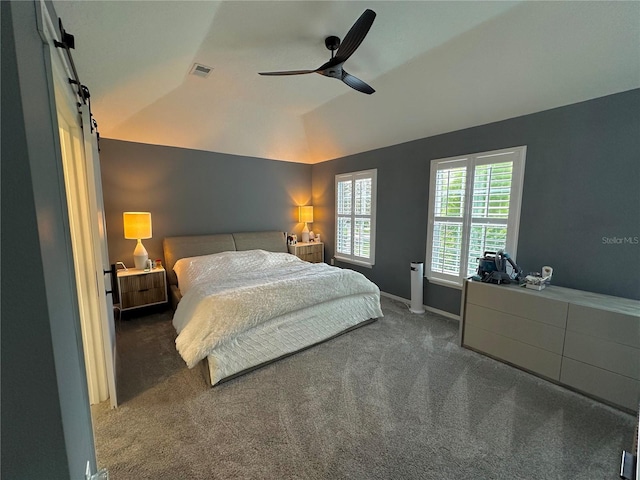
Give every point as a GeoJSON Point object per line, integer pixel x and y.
{"type": "Point", "coordinates": [343, 50]}
{"type": "Point", "coordinates": [332, 43]}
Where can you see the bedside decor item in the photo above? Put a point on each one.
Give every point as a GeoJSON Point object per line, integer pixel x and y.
{"type": "Point", "coordinates": [137, 226]}
{"type": "Point", "coordinates": [537, 281]}
{"type": "Point", "coordinates": [547, 273]}
{"type": "Point", "coordinates": [305, 215]}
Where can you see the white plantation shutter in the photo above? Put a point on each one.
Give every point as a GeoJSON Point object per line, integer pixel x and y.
{"type": "Point", "coordinates": [474, 207]}
{"type": "Point", "coordinates": [355, 217]}
{"type": "Point", "coordinates": [450, 188]}
{"type": "Point", "coordinates": [489, 211]}
{"type": "Point", "coordinates": [344, 230]}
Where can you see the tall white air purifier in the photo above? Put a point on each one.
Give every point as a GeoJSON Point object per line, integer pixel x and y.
{"type": "Point", "coordinates": [417, 279]}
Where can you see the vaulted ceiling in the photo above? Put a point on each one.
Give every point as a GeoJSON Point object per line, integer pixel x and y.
{"type": "Point", "coordinates": [436, 66]}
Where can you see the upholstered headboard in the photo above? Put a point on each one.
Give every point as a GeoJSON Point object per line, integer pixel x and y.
{"type": "Point", "coordinates": [176, 248]}
{"type": "Point", "coordinates": [269, 241]}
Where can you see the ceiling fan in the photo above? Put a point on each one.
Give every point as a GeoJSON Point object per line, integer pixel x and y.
{"type": "Point", "coordinates": [334, 67]}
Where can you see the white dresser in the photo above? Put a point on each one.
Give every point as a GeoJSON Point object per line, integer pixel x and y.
{"type": "Point", "coordinates": [587, 341]}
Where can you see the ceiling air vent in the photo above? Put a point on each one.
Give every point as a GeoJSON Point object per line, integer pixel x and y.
{"type": "Point", "coordinates": [200, 70]}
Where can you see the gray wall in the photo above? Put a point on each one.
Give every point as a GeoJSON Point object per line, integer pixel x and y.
{"type": "Point", "coordinates": [582, 183]}
{"type": "Point", "coordinates": [191, 192]}
{"type": "Point", "coordinates": [46, 422]}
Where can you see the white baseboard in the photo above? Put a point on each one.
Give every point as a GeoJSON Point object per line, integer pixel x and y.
{"type": "Point", "coordinates": [450, 315]}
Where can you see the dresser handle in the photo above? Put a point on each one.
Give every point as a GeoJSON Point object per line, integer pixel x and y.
{"type": "Point", "coordinates": [144, 290]}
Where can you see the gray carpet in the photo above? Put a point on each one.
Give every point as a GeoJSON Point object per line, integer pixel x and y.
{"type": "Point", "coordinates": [397, 399]}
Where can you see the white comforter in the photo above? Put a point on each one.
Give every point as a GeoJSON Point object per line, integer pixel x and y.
{"type": "Point", "coordinates": [226, 294]}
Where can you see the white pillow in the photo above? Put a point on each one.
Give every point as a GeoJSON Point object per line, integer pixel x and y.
{"type": "Point", "coordinates": [228, 267]}
{"type": "Point", "coordinates": [192, 271]}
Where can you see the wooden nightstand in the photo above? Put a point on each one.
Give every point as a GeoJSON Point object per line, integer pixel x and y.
{"type": "Point", "coordinates": [309, 252]}
{"type": "Point", "coordinates": [139, 288]}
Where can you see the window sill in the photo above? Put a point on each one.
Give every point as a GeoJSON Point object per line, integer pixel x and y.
{"type": "Point", "coordinates": [444, 283]}
{"type": "Point", "coordinates": [354, 262]}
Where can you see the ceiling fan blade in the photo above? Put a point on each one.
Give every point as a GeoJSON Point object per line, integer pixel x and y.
{"type": "Point", "coordinates": [289, 72]}
{"type": "Point", "coordinates": [355, 35]}
{"type": "Point", "coordinates": [356, 83]}
{"type": "Point", "coordinates": [330, 64]}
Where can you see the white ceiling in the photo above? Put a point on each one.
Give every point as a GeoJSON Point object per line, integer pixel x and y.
{"type": "Point", "coordinates": [436, 67]}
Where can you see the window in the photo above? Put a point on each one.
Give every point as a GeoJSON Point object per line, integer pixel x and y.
{"type": "Point", "coordinates": [474, 206]}
{"type": "Point", "coordinates": [356, 217]}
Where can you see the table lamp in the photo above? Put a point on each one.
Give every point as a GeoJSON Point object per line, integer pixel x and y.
{"type": "Point", "coordinates": [305, 215]}
{"type": "Point", "coordinates": [137, 225]}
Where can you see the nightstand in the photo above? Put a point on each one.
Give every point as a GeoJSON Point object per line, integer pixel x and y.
{"type": "Point", "coordinates": [312, 252]}
{"type": "Point", "coordinates": [140, 288]}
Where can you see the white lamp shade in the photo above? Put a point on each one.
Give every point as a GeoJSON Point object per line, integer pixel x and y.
{"type": "Point", "coordinates": [137, 225]}
{"type": "Point", "coordinates": [305, 214]}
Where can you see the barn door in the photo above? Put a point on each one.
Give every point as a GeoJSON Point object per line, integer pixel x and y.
{"type": "Point", "coordinates": [101, 251]}
{"type": "Point", "coordinates": [83, 189]}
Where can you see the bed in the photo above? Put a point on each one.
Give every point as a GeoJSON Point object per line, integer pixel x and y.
{"type": "Point", "coordinates": [242, 301]}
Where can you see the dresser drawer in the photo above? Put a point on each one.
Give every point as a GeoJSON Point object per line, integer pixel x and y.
{"type": "Point", "coordinates": [142, 297]}
{"type": "Point", "coordinates": [138, 288]}
{"type": "Point", "coordinates": [531, 332]}
{"type": "Point", "coordinates": [515, 301]}
{"type": "Point", "coordinates": [141, 282]}
{"type": "Point", "coordinates": [611, 356]}
{"type": "Point", "coordinates": [531, 358]}
{"type": "Point", "coordinates": [608, 386]}
{"type": "Point", "coordinates": [612, 326]}
{"type": "Point", "coordinates": [310, 256]}
{"type": "Point", "coordinates": [309, 252]}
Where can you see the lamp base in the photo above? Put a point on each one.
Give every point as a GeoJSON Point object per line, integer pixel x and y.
{"type": "Point", "coordinates": [140, 256]}
{"type": "Point", "coordinates": [305, 233]}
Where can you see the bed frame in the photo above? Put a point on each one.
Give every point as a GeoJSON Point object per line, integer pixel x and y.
{"type": "Point", "coordinates": [176, 248]}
